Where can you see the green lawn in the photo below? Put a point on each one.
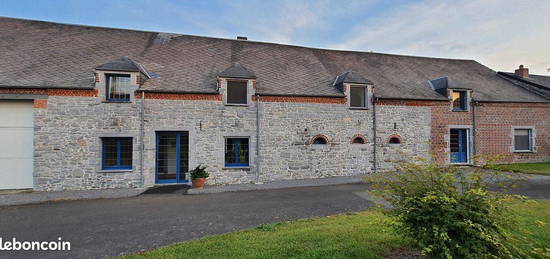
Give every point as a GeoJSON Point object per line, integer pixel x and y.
{"type": "Point", "coordinates": [528, 168]}
{"type": "Point", "coordinates": [359, 235]}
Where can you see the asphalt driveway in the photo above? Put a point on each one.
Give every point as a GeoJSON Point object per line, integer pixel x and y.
{"type": "Point", "coordinates": [100, 228]}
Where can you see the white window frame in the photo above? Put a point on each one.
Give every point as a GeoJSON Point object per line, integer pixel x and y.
{"type": "Point", "coordinates": [532, 139]}
{"type": "Point", "coordinates": [469, 141]}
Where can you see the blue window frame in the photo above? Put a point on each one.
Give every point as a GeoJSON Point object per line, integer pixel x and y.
{"type": "Point", "coordinates": [118, 88]}
{"type": "Point", "coordinates": [116, 153]}
{"type": "Point", "coordinates": [237, 152]}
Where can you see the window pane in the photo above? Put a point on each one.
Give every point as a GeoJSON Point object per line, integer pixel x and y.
{"type": "Point", "coordinates": [236, 92]}
{"type": "Point", "coordinates": [126, 152]}
{"type": "Point", "coordinates": [358, 140]}
{"type": "Point", "coordinates": [522, 139]}
{"type": "Point", "coordinates": [230, 148]}
{"type": "Point", "coordinates": [243, 152]}
{"type": "Point", "coordinates": [459, 100]}
{"type": "Point", "coordinates": [110, 152]}
{"type": "Point", "coordinates": [119, 87]}
{"type": "Point", "coordinates": [357, 97]}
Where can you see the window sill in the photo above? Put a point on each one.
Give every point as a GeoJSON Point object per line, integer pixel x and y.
{"type": "Point", "coordinates": [107, 101]}
{"type": "Point", "coordinates": [358, 108]}
{"type": "Point", "coordinates": [524, 151]}
{"type": "Point", "coordinates": [243, 168]}
{"type": "Point", "coordinates": [460, 164]}
{"type": "Point", "coordinates": [115, 170]}
{"type": "Point", "coordinates": [459, 110]}
{"type": "Point", "coordinates": [237, 104]}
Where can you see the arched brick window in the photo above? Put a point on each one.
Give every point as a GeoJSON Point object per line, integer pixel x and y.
{"type": "Point", "coordinates": [394, 139]}
{"type": "Point", "coordinates": [319, 140]}
{"type": "Point", "coordinates": [358, 139]}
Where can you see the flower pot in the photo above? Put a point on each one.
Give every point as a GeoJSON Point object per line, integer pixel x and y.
{"type": "Point", "coordinates": [198, 182]}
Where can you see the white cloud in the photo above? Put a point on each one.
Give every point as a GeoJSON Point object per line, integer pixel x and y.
{"type": "Point", "coordinates": [500, 34]}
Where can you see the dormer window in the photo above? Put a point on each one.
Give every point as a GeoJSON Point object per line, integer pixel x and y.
{"type": "Point", "coordinates": [358, 90]}
{"type": "Point", "coordinates": [118, 87]}
{"type": "Point", "coordinates": [358, 96]}
{"type": "Point", "coordinates": [459, 100]}
{"type": "Point", "coordinates": [237, 92]}
{"type": "Point", "coordinates": [234, 83]}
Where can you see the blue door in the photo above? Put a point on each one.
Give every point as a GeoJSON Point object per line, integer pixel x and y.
{"type": "Point", "coordinates": [172, 157]}
{"type": "Point", "coordinates": [459, 145]}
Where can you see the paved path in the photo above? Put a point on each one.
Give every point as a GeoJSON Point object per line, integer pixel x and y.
{"type": "Point", "coordinates": [110, 227]}
{"type": "Point", "coordinates": [98, 228]}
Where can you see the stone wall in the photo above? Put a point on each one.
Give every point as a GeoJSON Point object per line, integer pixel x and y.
{"type": "Point", "coordinates": [286, 130]}
{"type": "Point", "coordinates": [208, 123]}
{"type": "Point", "coordinates": [68, 131]}
{"type": "Point", "coordinates": [68, 146]}
{"type": "Point", "coordinates": [411, 124]}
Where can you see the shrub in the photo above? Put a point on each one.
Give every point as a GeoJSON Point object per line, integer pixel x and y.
{"type": "Point", "coordinates": [199, 172]}
{"type": "Point", "coordinates": [450, 212]}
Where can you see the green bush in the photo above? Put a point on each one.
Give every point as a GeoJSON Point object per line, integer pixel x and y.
{"type": "Point", "coordinates": [199, 172]}
{"type": "Point", "coordinates": [449, 211]}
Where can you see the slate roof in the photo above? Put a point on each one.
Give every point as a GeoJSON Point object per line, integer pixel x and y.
{"type": "Point", "coordinates": [44, 54]}
{"type": "Point", "coordinates": [536, 83]}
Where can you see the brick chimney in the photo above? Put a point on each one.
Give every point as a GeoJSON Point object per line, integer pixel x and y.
{"type": "Point", "coordinates": [522, 71]}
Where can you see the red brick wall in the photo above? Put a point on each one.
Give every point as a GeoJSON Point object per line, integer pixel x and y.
{"type": "Point", "coordinates": [493, 136]}
{"type": "Point", "coordinates": [53, 92]}
{"type": "Point", "coordinates": [299, 99]}
{"type": "Point", "coordinates": [179, 96]}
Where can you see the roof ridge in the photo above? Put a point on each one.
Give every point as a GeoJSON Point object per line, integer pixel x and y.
{"type": "Point", "coordinates": [237, 40]}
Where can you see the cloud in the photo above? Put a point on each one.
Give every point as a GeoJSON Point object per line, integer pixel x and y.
{"type": "Point", "coordinates": [500, 34]}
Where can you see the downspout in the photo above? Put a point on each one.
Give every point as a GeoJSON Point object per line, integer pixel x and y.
{"type": "Point", "coordinates": [141, 137]}
{"type": "Point", "coordinates": [474, 129]}
{"type": "Point", "coordinates": [374, 163]}
{"type": "Point", "coordinates": [258, 154]}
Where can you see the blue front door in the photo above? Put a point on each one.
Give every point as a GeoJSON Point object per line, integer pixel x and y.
{"type": "Point", "coordinates": [172, 157]}
{"type": "Point", "coordinates": [459, 145]}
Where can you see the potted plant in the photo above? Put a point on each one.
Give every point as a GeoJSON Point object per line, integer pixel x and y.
{"type": "Point", "coordinates": [198, 176]}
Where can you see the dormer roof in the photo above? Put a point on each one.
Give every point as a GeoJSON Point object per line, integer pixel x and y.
{"type": "Point", "coordinates": [351, 78]}
{"type": "Point", "coordinates": [123, 64]}
{"type": "Point", "coordinates": [237, 71]}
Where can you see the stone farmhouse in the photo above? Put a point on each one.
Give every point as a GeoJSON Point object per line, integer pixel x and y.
{"type": "Point", "coordinates": [90, 108]}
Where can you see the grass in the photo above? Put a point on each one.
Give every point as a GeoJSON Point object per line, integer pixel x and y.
{"type": "Point", "coordinates": [528, 168]}
{"type": "Point", "coordinates": [366, 234]}
{"type": "Point", "coordinates": [533, 226]}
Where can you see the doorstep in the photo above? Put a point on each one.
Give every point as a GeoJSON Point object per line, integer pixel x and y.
{"type": "Point", "coordinates": [281, 184]}
{"type": "Point", "coordinates": [21, 198]}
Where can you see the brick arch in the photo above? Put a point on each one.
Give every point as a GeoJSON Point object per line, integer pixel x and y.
{"type": "Point", "coordinates": [318, 136]}
{"type": "Point", "coordinates": [359, 136]}
{"type": "Point", "coordinates": [395, 139]}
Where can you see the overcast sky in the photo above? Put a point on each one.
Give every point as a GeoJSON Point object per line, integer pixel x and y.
{"type": "Point", "coordinates": [501, 34]}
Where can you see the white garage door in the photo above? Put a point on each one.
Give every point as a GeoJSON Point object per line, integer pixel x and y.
{"type": "Point", "coordinates": [16, 144]}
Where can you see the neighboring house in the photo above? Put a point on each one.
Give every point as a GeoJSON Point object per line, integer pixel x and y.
{"type": "Point", "coordinates": [87, 108]}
